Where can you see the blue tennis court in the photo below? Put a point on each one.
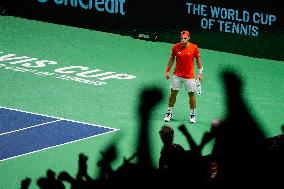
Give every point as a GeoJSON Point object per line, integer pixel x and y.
{"type": "Point", "coordinates": [23, 132]}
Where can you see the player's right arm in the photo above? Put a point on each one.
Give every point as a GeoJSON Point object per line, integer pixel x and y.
{"type": "Point", "coordinates": [169, 66]}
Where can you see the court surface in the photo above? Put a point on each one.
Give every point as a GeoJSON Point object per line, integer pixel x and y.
{"type": "Point", "coordinates": [67, 90]}
{"type": "Point", "coordinates": [23, 133]}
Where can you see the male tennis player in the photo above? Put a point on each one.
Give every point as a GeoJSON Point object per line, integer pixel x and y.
{"type": "Point", "coordinates": [184, 53]}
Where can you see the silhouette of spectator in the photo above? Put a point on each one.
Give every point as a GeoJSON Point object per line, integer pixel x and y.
{"type": "Point", "coordinates": [83, 180]}
{"type": "Point", "coordinates": [172, 155]}
{"type": "Point", "coordinates": [197, 166]}
{"type": "Point", "coordinates": [213, 168]}
{"type": "Point", "coordinates": [25, 183]}
{"type": "Point", "coordinates": [50, 181]}
{"type": "Point", "coordinates": [104, 164]}
{"type": "Point", "coordinates": [239, 146]}
{"type": "Point", "coordinates": [66, 177]}
{"type": "Point", "coordinates": [82, 173]}
{"type": "Point", "coordinates": [241, 155]}
{"type": "Point", "coordinates": [142, 173]}
{"type": "Point", "coordinates": [150, 97]}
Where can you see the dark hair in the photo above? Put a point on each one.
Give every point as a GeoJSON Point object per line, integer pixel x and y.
{"type": "Point", "coordinates": [167, 134]}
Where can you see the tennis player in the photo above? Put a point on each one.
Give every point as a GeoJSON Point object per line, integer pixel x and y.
{"type": "Point", "coordinates": [183, 53]}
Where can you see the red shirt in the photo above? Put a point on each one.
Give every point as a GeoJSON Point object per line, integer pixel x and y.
{"type": "Point", "coordinates": [185, 59]}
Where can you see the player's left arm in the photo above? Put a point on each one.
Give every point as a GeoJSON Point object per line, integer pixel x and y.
{"type": "Point", "coordinates": [199, 65]}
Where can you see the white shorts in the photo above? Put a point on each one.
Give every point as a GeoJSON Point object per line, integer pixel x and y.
{"type": "Point", "coordinates": [177, 82]}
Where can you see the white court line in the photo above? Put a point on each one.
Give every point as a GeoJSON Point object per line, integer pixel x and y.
{"type": "Point", "coordinates": [17, 130]}
{"type": "Point", "coordinates": [57, 145]}
{"type": "Point", "coordinates": [58, 118]}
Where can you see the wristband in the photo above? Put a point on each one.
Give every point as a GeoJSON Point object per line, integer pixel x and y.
{"type": "Point", "coordinates": [200, 70]}
{"type": "Point", "coordinates": [168, 69]}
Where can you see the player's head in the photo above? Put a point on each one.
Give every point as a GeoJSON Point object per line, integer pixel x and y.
{"type": "Point", "coordinates": [184, 36]}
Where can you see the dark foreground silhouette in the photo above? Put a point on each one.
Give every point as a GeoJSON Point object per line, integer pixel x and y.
{"type": "Point", "coordinates": [241, 156]}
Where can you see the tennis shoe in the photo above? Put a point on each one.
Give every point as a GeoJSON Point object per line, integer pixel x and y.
{"type": "Point", "coordinates": [168, 117]}
{"type": "Point", "coordinates": [192, 118]}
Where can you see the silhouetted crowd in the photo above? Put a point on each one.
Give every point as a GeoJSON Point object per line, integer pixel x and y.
{"type": "Point", "coordinates": [241, 156]}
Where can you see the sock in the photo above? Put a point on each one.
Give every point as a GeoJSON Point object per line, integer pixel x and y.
{"type": "Point", "coordinates": [170, 109]}
{"type": "Point", "coordinates": [192, 111]}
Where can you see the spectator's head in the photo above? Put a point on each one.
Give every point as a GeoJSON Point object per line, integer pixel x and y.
{"type": "Point", "coordinates": [50, 174]}
{"type": "Point", "coordinates": [167, 134]}
{"type": "Point", "coordinates": [215, 124]}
